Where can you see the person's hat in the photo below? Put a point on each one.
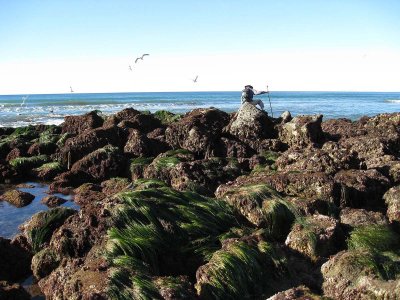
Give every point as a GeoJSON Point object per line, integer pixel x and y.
{"type": "Point", "coordinates": [248, 86]}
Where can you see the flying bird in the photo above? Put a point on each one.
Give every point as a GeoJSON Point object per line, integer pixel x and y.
{"type": "Point", "coordinates": [71, 89]}
{"type": "Point", "coordinates": [195, 80]}
{"type": "Point", "coordinates": [130, 68]}
{"type": "Point", "coordinates": [141, 57]}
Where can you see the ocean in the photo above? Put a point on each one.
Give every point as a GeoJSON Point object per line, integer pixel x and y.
{"type": "Point", "coordinates": [22, 110]}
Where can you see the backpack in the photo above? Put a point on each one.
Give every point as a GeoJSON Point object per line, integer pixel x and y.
{"type": "Point", "coordinates": [247, 95]}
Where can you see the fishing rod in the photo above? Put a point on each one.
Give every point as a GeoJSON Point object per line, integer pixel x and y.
{"type": "Point", "coordinates": [270, 106]}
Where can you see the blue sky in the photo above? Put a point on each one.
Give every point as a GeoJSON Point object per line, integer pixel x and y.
{"type": "Point", "coordinates": [47, 45]}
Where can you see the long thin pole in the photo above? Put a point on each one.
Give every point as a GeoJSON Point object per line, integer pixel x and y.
{"type": "Point", "coordinates": [270, 106]}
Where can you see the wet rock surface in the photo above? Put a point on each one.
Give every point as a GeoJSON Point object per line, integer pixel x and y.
{"type": "Point", "coordinates": [207, 205]}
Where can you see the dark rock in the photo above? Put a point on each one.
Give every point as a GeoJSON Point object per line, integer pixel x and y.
{"type": "Point", "coordinates": [17, 198]}
{"type": "Point", "coordinates": [13, 291]}
{"type": "Point", "coordinates": [362, 188]}
{"type": "Point", "coordinates": [42, 148]}
{"type": "Point", "coordinates": [302, 131]}
{"type": "Point", "coordinates": [310, 185]}
{"type": "Point", "coordinates": [335, 129]}
{"type": "Point", "coordinates": [14, 261]}
{"type": "Point", "coordinates": [52, 201]}
{"type": "Point", "coordinates": [316, 237]}
{"type": "Point", "coordinates": [228, 147]}
{"type": "Point", "coordinates": [77, 147]}
{"type": "Point", "coordinates": [138, 145]}
{"type": "Point", "coordinates": [197, 131]}
{"type": "Point", "coordinates": [317, 160]}
{"type": "Point", "coordinates": [79, 124]}
{"type": "Point", "coordinates": [113, 186]}
{"type": "Point", "coordinates": [161, 166]}
{"type": "Point", "coordinates": [44, 262]}
{"type": "Point", "coordinates": [101, 164]}
{"type": "Point", "coordinates": [124, 115]}
{"type": "Point", "coordinates": [204, 176]}
{"type": "Point", "coordinates": [14, 153]}
{"type": "Point", "coordinates": [355, 217]}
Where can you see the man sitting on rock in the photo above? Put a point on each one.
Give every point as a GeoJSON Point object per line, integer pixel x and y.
{"type": "Point", "coordinates": [249, 92]}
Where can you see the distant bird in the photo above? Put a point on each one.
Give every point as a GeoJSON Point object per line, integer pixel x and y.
{"type": "Point", "coordinates": [130, 67]}
{"type": "Point", "coordinates": [195, 80]}
{"type": "Point", "coordinates": [24, 98]}
{"type": "Point", "coordinates": [71, 89]}
{"type": "Point", "coordinates": [141, 57]}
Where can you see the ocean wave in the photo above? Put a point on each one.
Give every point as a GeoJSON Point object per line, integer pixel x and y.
{"type": "Point", "coordinates": [393, 100]}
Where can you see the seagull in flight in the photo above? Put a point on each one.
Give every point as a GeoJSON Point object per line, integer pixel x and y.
{"type": "Point", "coordinates": [71, 89]}
{"type": "Point", "coordinates": [130, 67]}
{"type": "Point", "coordinates": [141, 57]}
{"type": "Point", "coordinates": [195, 80]}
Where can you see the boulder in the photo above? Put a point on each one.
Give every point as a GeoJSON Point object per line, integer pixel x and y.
{"type": "Point", "coordinates": [355, 217]}
{"type": "Point", "coordinates": [251, 125]}
{"type": "Point", "coordinates": [315, 160]}
{"type": "Point", "coordinates": [392, 200]}
{"type": "Point", "coordinates": [114, 185]}
{"type": "Point", "coordinates": [286, 117]}
{"type": "Point", "coordinates": [138, 145]}
{"type": "Point", "coordinates": [15, 261]}
{"type": "Point", "coordinates": [230, 147]}
{"type": "Point", "coordinates": [88, 193]}
{"type": "Point", "coordinates": [316, 237]}
{"type": "Point", "coordinates": [197, 131]}
{"type": "Point", "coordinates": [362, 188]}
{"type": "Point", "coordinates": [161, 166]}
{"type": "Point", "coordinates": [262, 206]}
{"type": "Point", "coordinates": [359, 274]}
{"type": "Point", "coordinates": [79, 124]}
{"type": "Point", "coordinates": [336, 129]}
{"type": "Point", "coordinates": [17, 198]}
{"type": "Point", "coordinates": [302, 131]}
{"type": "Point", "coordinates": [77, 147]}
{"type": "Point", "coordinates": [44, 262]}
{"type": "Point", "coordinates": [53, 201]}
{"type": "Point", "coordinates": [204, 176]}
{"type": "Point", "coordinates": [309, 185]}
{"type": "Point", "coordinates": [101, 164]}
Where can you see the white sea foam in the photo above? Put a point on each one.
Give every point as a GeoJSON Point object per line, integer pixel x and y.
{"type": "Point", "coordinates": [393, 100]}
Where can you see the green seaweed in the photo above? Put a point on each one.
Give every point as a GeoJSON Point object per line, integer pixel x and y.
{"type": "Point", "coordinates": [167, 117]}
{"type": "Point", "coordinates": [52, 219]}
{"type": "Point", "coordinates": [26, 163]}
{"type": "Point", "coordinates": [376, 238]}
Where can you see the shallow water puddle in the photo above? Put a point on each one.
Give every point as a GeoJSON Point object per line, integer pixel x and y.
{"type": "Point", "coordinates": [11, 217]}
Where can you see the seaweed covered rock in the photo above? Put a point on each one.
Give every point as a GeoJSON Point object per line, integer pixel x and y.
{"type": "Point", "coordinates": [14, 261]}
{"type": "Point", "coordinates": [251, 126]}
{"type": "Point", "coordinates": [355, 217]}
{"type": "Point", "coordinates": [134, 119]}
{"type": "Point", "coordinates": [162, 165]}
{"type": "Point", "coordinates": [81, 145]}
{"type": "Point", "coordinates": [87, 193]}
{"type": "Point", "coordinates": [362, 188]}
{"type": "Point", "coordinates": [302, 131]}
{"type": "Point", "coordinates": [79, 124]}
{"type": "Point", "coordinates": [17, 198]}
{"type": "Point", "coordinates": [48, 170]}
{"type": "Point", "coordinates": [204, 176]}
{"type": "Point", "coordinates": [316, 237]}
{"type": "Point", "coordinates": [361, 274]}
{"type": "Point", "coordinates": [262, 206]}
{"type": "Point", "coordinates": [101, 164]}
{"type": "Point", "coordinates": [308, 185]}
{"type": "Point", "coordinates": [24, 165]}
{"type": "Point", "coordinates": [44, 262]}
{"type": "Point", "coordinates": [243, 269]}
{"type": "Point", "coordinates": [197, 131]}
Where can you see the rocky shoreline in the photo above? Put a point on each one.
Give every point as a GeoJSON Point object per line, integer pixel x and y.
{"type": "Point", "coordinates": [207, 205]}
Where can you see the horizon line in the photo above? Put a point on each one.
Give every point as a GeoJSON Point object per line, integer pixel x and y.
{"type": "Point", "coordinates": [211, 91]}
